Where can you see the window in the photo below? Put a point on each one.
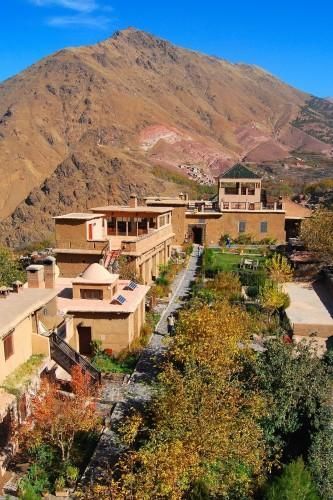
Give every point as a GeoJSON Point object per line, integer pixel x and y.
{"type": "Point", "coordinates": [91, 294]}
{"type": "Point", "coordinates": [241, 226]}
{"type": "Point", "coordinates": [8, 346]}
{"type": "Point", "coordinates": [121, 226]}
{"type": "Point", "coordinates": [263, 227]}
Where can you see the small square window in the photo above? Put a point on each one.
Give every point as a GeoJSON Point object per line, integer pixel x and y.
{"type": "Point", "coordinates": [263, 227]}
{"type": "Point", "coordinates": [8, 346]}
{"type": "Point", "coordinates": [241, 226]}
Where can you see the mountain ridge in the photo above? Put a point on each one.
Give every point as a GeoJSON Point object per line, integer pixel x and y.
{"type": "Point", "coordinates": [143, 99]}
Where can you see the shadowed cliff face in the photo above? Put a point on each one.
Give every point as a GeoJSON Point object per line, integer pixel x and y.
{"type": "Point", "coordinates": [142, 101]}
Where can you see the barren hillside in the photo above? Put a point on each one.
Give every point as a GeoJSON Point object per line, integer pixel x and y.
{"type": "Point", "coordinates": [145, 102]}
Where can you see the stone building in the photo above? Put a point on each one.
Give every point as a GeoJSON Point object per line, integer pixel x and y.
{"type": "Point", "coordinates": [240, 208]}
{"type": "Point", "coordinates": [51, 321]}
{"type": "Point", "coordinates": [104, 309]}
{"type": "Point", "coordinates": [81, 240]}
{"type": "Point", "coordinates": [143, 235]}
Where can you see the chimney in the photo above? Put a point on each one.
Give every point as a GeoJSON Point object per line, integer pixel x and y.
{"type": "Point", "coordinates": [133, 202]}
{"type": "Point", "coordinates": [35, 274]}
{"type": "Point", "coordinates": [50, 272]}
{"type": "Point", "coordinates": [4, 292]}
{"type": "Point", "coordinates": [17, 286]}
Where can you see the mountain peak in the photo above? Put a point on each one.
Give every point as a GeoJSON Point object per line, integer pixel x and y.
{"type": "Point", "coordinates": [139, 38]}
{"type": "Point", "coordinates": [127, 109]}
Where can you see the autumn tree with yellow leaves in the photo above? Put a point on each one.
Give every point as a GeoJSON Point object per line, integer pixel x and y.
{"type": "Point", "coordinates": [317, 233]}
{"type": "Point", "coordinates": [204, 430]}
{"type": "Point", "coordinates": [279, 269]}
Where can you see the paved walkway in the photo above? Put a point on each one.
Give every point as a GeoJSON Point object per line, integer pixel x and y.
{"type": "Point", "coordinates": [138, 391]}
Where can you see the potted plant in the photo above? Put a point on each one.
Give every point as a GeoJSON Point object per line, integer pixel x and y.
{"type": "Point", "coordinates": [60, 487]}
{"type": "Point", "coordinates": [72, 474]}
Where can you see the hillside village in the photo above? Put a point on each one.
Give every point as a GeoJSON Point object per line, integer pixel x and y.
{"type": "Point", "coordinates": [122, 277]}
{"type": "Point", "coordinates": [166, 252]}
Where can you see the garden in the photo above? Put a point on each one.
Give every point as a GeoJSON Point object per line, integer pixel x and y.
{"type": "Point", "coordinates": [126, 361]}
{"type": "Point", "coordinates": [228, 421]}
{"type": "Point", "coordinates": [58, 438]}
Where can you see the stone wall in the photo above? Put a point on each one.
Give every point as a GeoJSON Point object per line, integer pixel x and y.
{"type": "Point", "coordinates": [228, 223]}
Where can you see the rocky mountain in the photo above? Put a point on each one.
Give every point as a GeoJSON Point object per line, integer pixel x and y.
{"type": "Point", "coordinates": [89, 124]}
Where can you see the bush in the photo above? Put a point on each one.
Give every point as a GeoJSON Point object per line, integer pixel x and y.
{"type": "Point", "coordinates": [34, 484]}
{"type": "Point", "coordinates": [252, 291]}
{"type": "Point", "coordinates": [109, 364]}
{"type": "Point", "coordinates": [295, 483]}
{"type": "Point", "coordinates": [328, 357]}
{"type": "Point", "coordinates": [226, 285]}
{"type": "Point", "coordinates": [224, 238]}
{"type": "Point", "coordinates": [162, 280]}
{"type": "Point", "coordinates": [321, 462]}
{"type": "Point", "coordinates": [252, 278]}
{"type": "Point", "coordinates": [188, 248]}
{"type": "Point", "coordinates": [244, 239]}
{"type": "Point", "coordinates": [267, 241]}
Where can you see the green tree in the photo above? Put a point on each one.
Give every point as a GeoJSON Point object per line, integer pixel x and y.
{"type": "Point", "coordinates": [297, 384]}
{"type": "Point", "coordinates": [10, 269]}
{"type": "Point", "coordinates": [321, 461]}
{"type": "Point", "coordinates": [295, 483]}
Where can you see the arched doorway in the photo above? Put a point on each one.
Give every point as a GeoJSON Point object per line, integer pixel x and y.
{"type": "Point", "coordinates": [197, 232]}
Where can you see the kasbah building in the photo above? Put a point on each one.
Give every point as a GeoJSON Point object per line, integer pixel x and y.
{"type": "Point", "coordinates": [77, 297]}
{"type": "Point", "coordinates": [145, 234]}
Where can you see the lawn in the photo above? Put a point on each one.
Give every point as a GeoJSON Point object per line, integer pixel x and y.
{"type": "Point", "coordinates": [216, 260]}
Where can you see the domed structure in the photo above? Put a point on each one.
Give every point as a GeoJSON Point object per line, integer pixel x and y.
{"type": "Point", "coordinates": [98, 274]}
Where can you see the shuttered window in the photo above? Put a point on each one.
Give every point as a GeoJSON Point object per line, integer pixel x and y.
{"type": "Point", "coordinates": [263, 227]}
{"type": "Point", "coordinates": [8, 346]}
{"type": "Point", "coordinates": [242, 226]}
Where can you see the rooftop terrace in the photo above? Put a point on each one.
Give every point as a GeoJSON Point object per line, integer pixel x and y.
{"type": "Point", "coordinates": [142, 209]}
{"type": "Point", "coordinates": [311, 306]}
{"type": "Point", "coordinates": [18, 306]}
{"type": "Point", "coordinates": [79, 216]}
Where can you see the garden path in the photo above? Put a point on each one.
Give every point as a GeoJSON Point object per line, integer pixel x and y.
{"type": "Point", "coordinates": [118, 398]}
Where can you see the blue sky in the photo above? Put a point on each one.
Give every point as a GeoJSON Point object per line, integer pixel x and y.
{"type": "Point", "coordinates": [291, 39]}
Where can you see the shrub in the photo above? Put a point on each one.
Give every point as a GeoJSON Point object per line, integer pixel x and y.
{"type": "Point", "coordinates": [224, 238]}
{"type": "Point", "coordinates": [252, 278]}
{"type": "Point", "coordinates": [188, 248]}
{"type": "Point", "coordinates": [226, 285]}
{"type": "Point", "coordinates": [321, 462]}
{"type": "Point", "coordinates": [34, 484]}
{"type": "Point", "coordinates": [267, 241]}
{"type": "Point", "coordinates": [295, 483]}
{"type": "Point", "coordinates": [244, 239]}
{"type": "Point", "coordinates": [252, 291]}
{"type": "Point", "coordinates": [279, 269]}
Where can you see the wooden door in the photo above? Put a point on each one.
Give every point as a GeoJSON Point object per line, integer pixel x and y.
{"type": "Point", "coordinates": [90, 231]}
{"type": "Point", "coordinates": [84, 340]}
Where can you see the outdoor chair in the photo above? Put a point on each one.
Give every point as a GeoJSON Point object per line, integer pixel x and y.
{"type": "Point", "coordinates": [248, 263]}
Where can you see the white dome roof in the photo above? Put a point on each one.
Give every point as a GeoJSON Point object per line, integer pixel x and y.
{"type": "Point", "coordinates": [98, 274]}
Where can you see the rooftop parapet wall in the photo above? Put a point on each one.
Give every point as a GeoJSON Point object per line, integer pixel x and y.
{"type": "Point", "coordinates": [79, 232]}
{"type": "Point", "coordinates": [146, 242]}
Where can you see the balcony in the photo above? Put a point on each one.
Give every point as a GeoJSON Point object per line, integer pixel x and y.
{"type": "Point", "coordinates": [202, 207]}
{"type": "Point", "coordinates": [137, 245]}
{"type": "Point", "coordinates": [249, 206]}
{"type": "Point", "coordinates": [97, 245]}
